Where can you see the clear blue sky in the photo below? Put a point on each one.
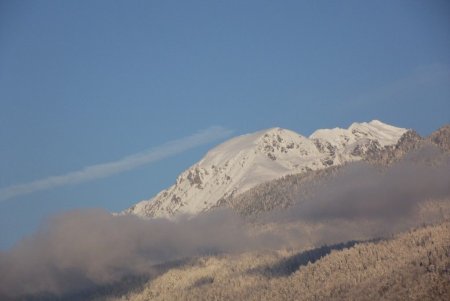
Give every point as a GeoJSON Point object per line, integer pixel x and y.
{"type": "Point", "coordinates": [88, 82]}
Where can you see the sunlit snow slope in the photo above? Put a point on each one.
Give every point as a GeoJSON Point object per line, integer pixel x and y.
{"type": "Point", "coordinates": [245, 161]}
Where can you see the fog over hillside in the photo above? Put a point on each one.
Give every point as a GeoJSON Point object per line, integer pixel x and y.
{"type": "Point", "coordinates": [411, 266]}
{"type": "Point", "coordinates": [224, 150]}
{"type": "Point", "coordinates": [81, 249]}
{"type": "Point", "coordinates": [78, 252]}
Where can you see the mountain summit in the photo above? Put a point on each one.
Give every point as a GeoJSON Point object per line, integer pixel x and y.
{"type": "Point", "coordinates": [245, 161]}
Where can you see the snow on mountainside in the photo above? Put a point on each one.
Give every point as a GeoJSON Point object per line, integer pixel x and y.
{"type": "Point", "coordinates": [248, 160]}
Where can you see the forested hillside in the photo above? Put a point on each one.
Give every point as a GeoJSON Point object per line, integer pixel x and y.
{"type": "Point", "coordinates": [410, 266]}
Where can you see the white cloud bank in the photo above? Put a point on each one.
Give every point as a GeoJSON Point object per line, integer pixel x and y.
{"type": "Point", "coordinates": [104, 170]}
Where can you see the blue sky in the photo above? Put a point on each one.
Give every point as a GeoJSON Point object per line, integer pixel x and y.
{"type": "Point", "coordinates": [84, 83]}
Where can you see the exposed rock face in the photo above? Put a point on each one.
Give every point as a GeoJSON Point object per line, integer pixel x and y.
{"type": "Point", "coordinates": [246, 161]}
{"type": "Point", "coordinates": [409, 141]}
{"type": "Point", "coordinates": [441, 138]}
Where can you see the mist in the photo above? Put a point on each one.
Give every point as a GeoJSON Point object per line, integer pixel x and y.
{"type": "Point", "coordinates": [362, 201]}
{"type": "Point", "coordinates": [362, 191]}
{"type": "Point", "coordinates": [82, 249]}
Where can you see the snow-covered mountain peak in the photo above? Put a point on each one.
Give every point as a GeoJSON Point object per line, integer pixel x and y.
{"type": "Point", "coordinates": [384, 133]}
{"type": "Point", "coordinates": [261, 142]}
{"type": "Point", "coordinates": [248, 160]}
{"type": "Point", "coordinates": [375, 130]}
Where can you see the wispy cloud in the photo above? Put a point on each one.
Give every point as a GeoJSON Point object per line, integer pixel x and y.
{"type": "Point", "coordinates": [107, 169]}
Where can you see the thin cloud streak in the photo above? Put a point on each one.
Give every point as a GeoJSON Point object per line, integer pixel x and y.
{"type": "Point", "coordinates": [104, 170]}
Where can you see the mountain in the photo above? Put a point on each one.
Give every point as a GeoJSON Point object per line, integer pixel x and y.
{"type": "Point", "coordinates": [243, 162]}
{"type": "Point", "coordinates": [411, 149]}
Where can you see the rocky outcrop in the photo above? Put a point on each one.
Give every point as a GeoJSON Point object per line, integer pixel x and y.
{"type": "Point", "coordinates": [409, 141]}
{"type": "Point", "coordinates": [441, 138]}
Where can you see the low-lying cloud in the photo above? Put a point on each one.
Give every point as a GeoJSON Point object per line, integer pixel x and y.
{"type": "Point", "coordinates": [361, 201]}
{"type": "Point", "coordinates": [361, 191]}
{"type": "Point", "coordinates": [104, 170]}
{"type": "Point", "coordinates": [80, 249]}
{"type": "Point", "coordinates": [83, 249]}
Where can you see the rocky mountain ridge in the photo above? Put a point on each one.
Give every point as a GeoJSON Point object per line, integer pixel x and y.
{"type": "Point", "coordinates": [243, 162]}
{"type": "Point", "coordinates": [288, 190]}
